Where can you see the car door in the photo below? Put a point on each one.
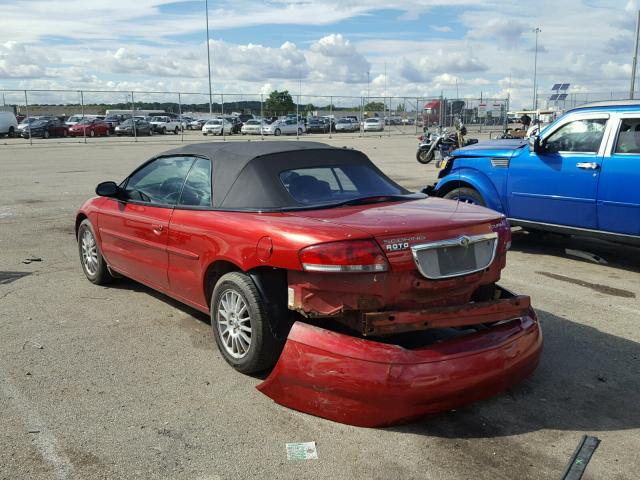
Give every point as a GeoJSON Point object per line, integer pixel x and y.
{"type": "Point", "coordinates": [58, 128]}
{"type": "Point", "coordinates": [134, 230]}
{"type": "Point", "coordinates": [618, 192]}
{"type": "Point", "coordinates": [290, 126]}
{"type": "Point", "coordinates": [190, 239]}
{"type": "Point", "coordinates": [559, 183]}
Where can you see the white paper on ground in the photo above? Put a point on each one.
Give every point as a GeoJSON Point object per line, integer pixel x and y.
{"type": "Point", "coordinates": [302, 451]}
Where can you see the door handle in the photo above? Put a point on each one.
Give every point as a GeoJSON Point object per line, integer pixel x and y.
{"type": "Point", "coordinates": [588, 165]}
{"type": "Point", "coordinates": [157, 229]}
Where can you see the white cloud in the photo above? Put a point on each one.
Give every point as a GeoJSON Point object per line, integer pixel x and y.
{"type": "Point", "coordinates": [18, 61]}
{"type": "Point", "coordinates": [440, 61]}
{"type": "Point", "coordinates": [615, 70]}
{"type": "Point", "coordinates": [334, 58]}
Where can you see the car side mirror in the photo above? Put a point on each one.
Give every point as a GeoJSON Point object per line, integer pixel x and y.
{"type": "Point", "coordinates": [108, 189]}
{"type": "Point", "coordinates": [535, 145]}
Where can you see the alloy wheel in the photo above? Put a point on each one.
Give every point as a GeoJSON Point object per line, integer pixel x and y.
{"type": "Point", "coordinates": [89, 252]}
{"type": "Point", "coordinates": [234, 324]}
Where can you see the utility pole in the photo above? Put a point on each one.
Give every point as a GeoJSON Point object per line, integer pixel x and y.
{"type": "Point", "coordinates": [368, 83]}
{"type": "Point", "coordinates": [206, 7]}
{"type": "Point", "coordinates": [535, 71]}
{"type": "Point", "coordinates": [635, 59]}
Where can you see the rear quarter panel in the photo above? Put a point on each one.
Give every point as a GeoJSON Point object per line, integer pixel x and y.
{"type": "Point", "coordinates": [197, 238]}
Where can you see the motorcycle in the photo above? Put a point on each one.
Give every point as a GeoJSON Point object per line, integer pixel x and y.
{"type": "Point", "coordinates": [441, 141]}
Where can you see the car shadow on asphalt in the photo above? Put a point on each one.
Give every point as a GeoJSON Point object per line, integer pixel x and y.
{"type": "Point", "coordinates": [587, 380]}
{"type": "Point", "coordinates": [125, 283]}
{"type": "Point", "coordinates": [617, 255]}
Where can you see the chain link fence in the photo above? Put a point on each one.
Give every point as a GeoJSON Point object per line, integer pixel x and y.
{"type": "Point", "coordinates": [317, 114]}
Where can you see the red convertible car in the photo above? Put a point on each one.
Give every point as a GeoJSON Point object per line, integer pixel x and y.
{"type": "Point", "coordinates": [371, 305]}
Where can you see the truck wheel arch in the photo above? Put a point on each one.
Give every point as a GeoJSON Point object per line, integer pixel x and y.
{"type": "Point", "coordinates": [471, 179]}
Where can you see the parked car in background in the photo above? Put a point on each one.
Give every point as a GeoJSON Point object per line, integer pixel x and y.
{"type": "Point", "coordinates": [317, 125]}
{"type": "Point", "coordinates": [164, 124]}
{"type": "Point", "coordinates": [287, 126]}
{"type": "Point", "coordinates": [579, 176]}
{"type": "Point", "coordinates": [142, 127]}
{"type": "Point", "coordinates": [73, 119]}
{"type": "Point", "coordinates": [115, 119]}
{"type": "Point", "coordinates": [369, 323]}
{"type": "Point", "coordinates": [27, 121]}
{"type": "Point", "coordinates": [373, 125]}
{"type": "Point", "coordinates": [90, 127]}
{"type": "Point", "coordinates": [45, 128]}
{"type": "Point", "coordinates": [252, 127]}
{"type": "Point", "coordinates": [217, 126]}
{"type": "Point", "coordinates": [185, 121]}
{"type": "Point", "coordinates": [197, 124]}
{"type": "Point", "coordinates": [8, 124]}
{"type": "Point", "coordinates": [347, 125]}
{"type": "Point", "coordinates": [236, 124]}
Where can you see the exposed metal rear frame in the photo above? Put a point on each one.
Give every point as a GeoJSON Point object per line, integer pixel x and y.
{"type": "Point", "coordinates": [452, 242]}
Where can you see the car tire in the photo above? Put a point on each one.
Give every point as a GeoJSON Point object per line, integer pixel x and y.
{"type": "Point", "coordinates": [277, 132]}
{"type": "Point", "coordinates": [300, 132]}
{"type": "Point", "coordinates": [176, 131]}
{"type": "Point", "coordinates": [11, 133]}
{"type": "Point", "coordinates": [424, 156]}
{"type": "Point", "coordinates": [163, 131]}
{"type": "Point", "coordinates": [466, 195]}
{"type": "Point", "coordinates": [203, 133]}
{"type": "Point", "coordinates": [236, 305]}
{"type": "Point", "coordinates": [91, 259]}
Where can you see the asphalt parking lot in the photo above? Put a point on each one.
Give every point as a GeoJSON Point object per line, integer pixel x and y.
{"type": "Point", "coordinates": [122, 382]}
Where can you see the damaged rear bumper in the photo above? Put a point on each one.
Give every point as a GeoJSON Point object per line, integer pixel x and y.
{"type": "Point", "coordinates": [372, 384]}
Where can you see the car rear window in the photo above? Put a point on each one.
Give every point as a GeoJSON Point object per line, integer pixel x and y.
{"type": "Point", "coordinates": [322, 185]}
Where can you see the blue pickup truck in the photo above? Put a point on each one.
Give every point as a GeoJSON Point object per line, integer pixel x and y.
{"type": "Point", "coordinates": [580, 175]}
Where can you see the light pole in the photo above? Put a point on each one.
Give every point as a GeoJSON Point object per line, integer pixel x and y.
{"type": "Point", "coordinates": [635, 59]}
{"type": "Point", "coordinates": [535, 71]}
{"type": "Point", "coordinates": [206, 7]}
{"type": "Point", "coordinates": [368, 83]}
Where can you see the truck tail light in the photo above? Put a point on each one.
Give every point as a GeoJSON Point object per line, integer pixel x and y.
{"type": "Point", "coordinates": [347, 256]}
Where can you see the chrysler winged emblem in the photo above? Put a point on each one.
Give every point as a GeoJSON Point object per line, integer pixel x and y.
{"type": "Point", "coordinates": [464, 241]}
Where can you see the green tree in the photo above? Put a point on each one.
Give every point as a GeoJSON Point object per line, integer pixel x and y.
{"type": "Point", "coordinates": [309, 108]}
{"type": "Point", "coordinates": [374, 107]}
{"type": "Point", "coordinates": [400, 107]}
{"type": "Point", "coordinates": [279, 103]}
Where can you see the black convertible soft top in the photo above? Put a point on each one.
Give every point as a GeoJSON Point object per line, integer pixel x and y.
{"type": "Point", "coordinates": [246, 175]}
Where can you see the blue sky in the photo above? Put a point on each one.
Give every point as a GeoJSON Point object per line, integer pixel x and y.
{"type": "Point", "coordinates": [323, 48]}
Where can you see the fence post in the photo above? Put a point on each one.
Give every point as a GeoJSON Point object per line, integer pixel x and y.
{"type": "Point", "coordinates": [416, 120]}
{"type": "Point", "coordinates": [224, 135]}
{"type": "Point", "coordinates": [362, 116]}
{"type": "Point", "coordinates": [389, 112]}
{"type": "Point", "coordinates": [84, 130]}
{"type": "Point", "coordinates": [261, 115]}
{"type": "Point", "coordinates": [133, 119]}
{"type": "Point", "coordinates": [26, 106]}
{"type": "Point", "coordinates": [330, 114]}
{"type": "Point", "coordinates": [298, 118]}
{"type": "Point", "coordinates": [180, 113]}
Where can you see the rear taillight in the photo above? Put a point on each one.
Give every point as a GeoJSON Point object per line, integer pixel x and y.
{"type": "Point", "coordinates": [347, 256]}
{"type": "Point", "coordinates": [503, 229]}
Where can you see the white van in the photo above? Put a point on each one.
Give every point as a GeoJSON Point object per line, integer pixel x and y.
{"type": "Point", "coordinates": [8, 124]}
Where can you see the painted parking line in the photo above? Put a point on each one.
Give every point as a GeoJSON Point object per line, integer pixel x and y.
{"type": "Point", "coordinates": [43, 440]}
